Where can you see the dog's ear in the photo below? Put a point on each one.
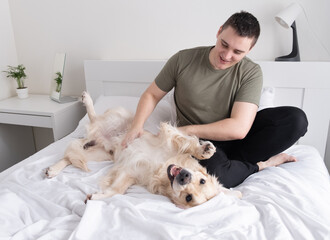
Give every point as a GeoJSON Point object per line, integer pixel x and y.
{"type": "Point", "coordinates": [219, 187]}
{"type": "Point", "coordinates": [160, 184]}
{"type": "Point", "coordinates": [202, 169]}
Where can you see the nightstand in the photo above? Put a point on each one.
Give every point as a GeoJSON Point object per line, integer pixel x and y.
{"type": "Point", "coordinates": [41, 112]}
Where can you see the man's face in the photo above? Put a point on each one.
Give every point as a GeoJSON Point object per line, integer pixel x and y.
{"type": "Point", "coordinates": [229, 49]}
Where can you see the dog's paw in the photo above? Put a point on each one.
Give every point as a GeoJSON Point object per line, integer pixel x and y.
{"type": "Point", "coordinates": [83, 95]}
{"type": "Point", "coordinates": [88, 197]}
{"type": "Point", "coordinates": [95, 196]}
{"type": "Point", "coordinates": [235, 193]}
{"type": "Point", "coordinates": [207, 149]}
{"type": "Point", "coordinates": [86, 98]}
{"type": "Point", "coordinates": [50, 173]}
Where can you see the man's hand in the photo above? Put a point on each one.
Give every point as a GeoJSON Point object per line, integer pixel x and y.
{"type": "Point", "coordinates": [132, 134]}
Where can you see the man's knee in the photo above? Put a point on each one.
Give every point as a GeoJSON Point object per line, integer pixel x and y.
{"type": "Point", "coordinates": [299, 120]}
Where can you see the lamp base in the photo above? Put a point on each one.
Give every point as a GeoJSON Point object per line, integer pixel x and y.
{"type": "Point", "coordinates": [288, 58]}
{"type": "Point", "coordinates": [294, 56]}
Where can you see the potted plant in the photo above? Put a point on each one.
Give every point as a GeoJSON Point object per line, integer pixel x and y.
{"type": "Point", "coordinates": [57, 90]}
{"type": "Point", "coordinates": [18, 73]}
{"type": "Point", "coordinates": [58, 81]}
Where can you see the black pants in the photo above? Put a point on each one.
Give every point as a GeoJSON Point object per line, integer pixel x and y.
{"type": "Point", "coordinates": [273, 131]}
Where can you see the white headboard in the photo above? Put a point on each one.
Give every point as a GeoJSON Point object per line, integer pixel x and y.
{"type": "Point", "coordinates": [302, 84]}
{"type": "Point", "coordinates": [120, 78]}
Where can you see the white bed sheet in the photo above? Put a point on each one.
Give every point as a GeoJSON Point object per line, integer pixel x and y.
{"type": "Point", "coordinates": [291, 201]}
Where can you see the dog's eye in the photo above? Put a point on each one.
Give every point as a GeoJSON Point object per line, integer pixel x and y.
{"type": "Point", "coordinates": [202, 181]}
{"type": "Point", "coordinates": [188, 197]}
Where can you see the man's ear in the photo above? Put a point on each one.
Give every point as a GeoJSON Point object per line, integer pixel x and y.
{"type": "Point", "coordinates": [219, 31]}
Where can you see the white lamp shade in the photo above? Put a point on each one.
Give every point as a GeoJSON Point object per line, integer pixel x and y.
{"type": "Point", "coordinates": [288, 15]}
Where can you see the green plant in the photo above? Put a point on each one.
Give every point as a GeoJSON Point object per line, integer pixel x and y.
{"type": "Point", "coordinates": [17, 73]}
{"type": "Point", "coordinates": [58, 81]}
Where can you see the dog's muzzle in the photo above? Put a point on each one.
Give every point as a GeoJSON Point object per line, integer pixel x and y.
{"type": "Point", "coordinates": [182, 176]}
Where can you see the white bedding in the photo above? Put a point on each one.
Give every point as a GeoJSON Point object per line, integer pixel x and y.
{"type": "Point", "coordinates": [291, 201]}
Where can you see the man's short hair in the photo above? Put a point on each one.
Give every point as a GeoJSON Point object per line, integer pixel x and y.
{"type": "Point", "coordinates": [245, 25]}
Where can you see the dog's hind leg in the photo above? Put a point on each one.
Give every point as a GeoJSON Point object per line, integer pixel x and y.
{"type": "Point", "coordinates": [89, 144]}
{"type": "Point", "coordinates": [186, 144]}
{"type": "Point", "coordinates": [87, 100]}
{"type": "Point", "coordinates": [54, 170]}
{"type": "Point", "coordinates": [80, 163]}
{"type": "Point", "coordinates": [118, 186]}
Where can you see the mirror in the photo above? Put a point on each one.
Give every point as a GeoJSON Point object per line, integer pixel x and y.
{"type": "Point", "coordinates": [57, 80]}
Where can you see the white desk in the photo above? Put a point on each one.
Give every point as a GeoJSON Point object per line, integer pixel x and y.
{"type": "Point", "coordinates": [41, 111]}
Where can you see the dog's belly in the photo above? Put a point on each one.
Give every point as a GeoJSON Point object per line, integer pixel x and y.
{"type": "Point", "coordinates": [113, 123]}
{"type": "Point", "coordinates": [143, 158]}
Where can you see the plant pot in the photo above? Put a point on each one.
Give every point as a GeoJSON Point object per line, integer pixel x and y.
{"type": "Point", "coordinates": [22, 92]}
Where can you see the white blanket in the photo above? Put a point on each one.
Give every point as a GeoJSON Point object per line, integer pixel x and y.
{"type": "Point", "coordinates": [291, 201]}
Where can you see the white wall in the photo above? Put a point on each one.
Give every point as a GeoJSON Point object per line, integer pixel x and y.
{"type": "Point", "coordinates": [135, 29]}
{"type": "Point", "coordinates": [327, 151]}
{"type": "Point", "coordinates": [15, 143]}
{"type": "Point", "coordinates": [147, 29]}
{"type": "Point", "coordinates": [8, 54]}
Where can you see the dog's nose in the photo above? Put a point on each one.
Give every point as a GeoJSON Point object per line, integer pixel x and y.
{"type": "Point", "coordinates": [183, 177]}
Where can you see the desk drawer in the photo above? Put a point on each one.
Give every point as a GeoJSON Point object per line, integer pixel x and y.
{"type": "Point", "coordinates": [26, 120]}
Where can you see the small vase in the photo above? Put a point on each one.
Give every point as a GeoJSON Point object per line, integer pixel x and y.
{"type": "Point", "coordinates": [22, 92]}
{"type": "Point", "coordinates": [55, 95]}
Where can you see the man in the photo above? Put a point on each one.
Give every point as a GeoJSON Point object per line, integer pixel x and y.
{"type": "Point", "coordinates": [217, 92]}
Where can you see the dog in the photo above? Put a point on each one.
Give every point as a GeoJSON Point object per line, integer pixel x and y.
{"type": "Point", "coordinates": [166, 163]}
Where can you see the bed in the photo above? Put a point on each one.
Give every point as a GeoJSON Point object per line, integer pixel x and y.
{"type": "Point", "coordinates": [291, 201]}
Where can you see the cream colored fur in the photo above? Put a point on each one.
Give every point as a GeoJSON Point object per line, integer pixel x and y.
{"type": "Point", "coordinates": [165, 163]}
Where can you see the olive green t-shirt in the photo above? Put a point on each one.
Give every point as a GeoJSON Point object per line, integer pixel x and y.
{"type": "Point", "coordinates": [203, 94]}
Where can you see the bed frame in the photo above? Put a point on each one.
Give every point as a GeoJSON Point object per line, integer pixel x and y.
{"type": "Point", "coordinates": [302, 84]}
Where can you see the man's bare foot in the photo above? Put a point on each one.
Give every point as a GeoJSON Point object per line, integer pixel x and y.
{"type": "Point", "coordinates": [276, 160]}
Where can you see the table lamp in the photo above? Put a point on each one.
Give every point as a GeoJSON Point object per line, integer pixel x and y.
{"type": "Point", "coordinates": [286, 18]}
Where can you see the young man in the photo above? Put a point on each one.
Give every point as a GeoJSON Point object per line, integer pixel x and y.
{"type": "Point", "coordinates": [217, 92]}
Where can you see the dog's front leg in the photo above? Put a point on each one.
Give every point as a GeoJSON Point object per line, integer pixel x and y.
{"type": "Point", "coordinates": [187, 144]}
{"type": "Point", "coordinates": [205, 150]}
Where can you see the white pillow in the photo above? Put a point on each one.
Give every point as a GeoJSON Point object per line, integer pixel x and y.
{"type": "Point", "coordinates": [267, 98]}
{"type": "Point", "coordinates": [103, 103]}
{"type": "Point", "coordinates": [162, 112]}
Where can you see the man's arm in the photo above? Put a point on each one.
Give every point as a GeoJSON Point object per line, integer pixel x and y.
{"type": "Point", "coordinates": [146, 105]}
{"type": "Point", "coordinates": [233, 128]}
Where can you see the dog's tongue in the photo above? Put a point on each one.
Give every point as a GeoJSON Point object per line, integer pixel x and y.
{"type": "Point", "coordinates": [175, 171]}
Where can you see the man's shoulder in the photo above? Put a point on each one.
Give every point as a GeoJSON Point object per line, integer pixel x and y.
{"type": "Point", "coordinates": [194, 51]}
{"type": "Point", "coordinates": [196, 55]}
{"type": "Point", "coordinates": [247, 65]}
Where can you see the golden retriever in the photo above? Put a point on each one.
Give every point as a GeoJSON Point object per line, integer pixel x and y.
{"type": "Point", "coordinates": [165, 164]}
